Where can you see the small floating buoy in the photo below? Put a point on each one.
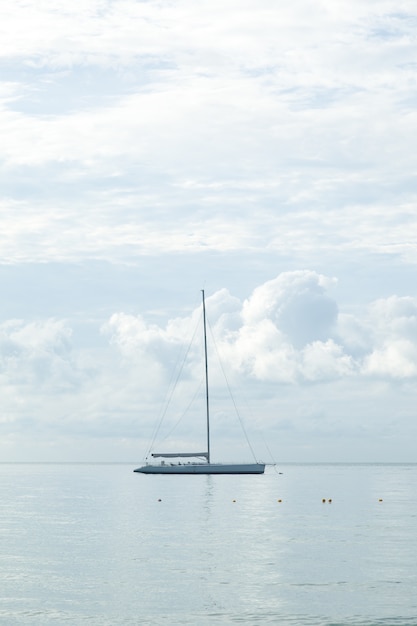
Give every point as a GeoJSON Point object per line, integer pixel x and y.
{"type": "Point", "coordinates": [324, 500]}
{"type": "Point", "coordinates": [330, 500]}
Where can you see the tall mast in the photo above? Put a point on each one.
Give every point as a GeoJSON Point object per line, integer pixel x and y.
{"type": "Point", "coordinates": [206, 369]}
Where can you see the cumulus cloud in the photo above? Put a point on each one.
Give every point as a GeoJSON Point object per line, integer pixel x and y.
{"type": "Point", "coordinates": [288, 331]}
{"type": "Point", "coordinates": [253, 338]}
{"type": "Point", "coordinates": [297, 303]}
{"type": "Point", "coordinates": [37, 353]}
{"type": "Point", "coordinates": [394, 328]}
{"type": "Point", "coordinates": [396, 358]}
{"type": "Point", "coordinates": [50, 383]}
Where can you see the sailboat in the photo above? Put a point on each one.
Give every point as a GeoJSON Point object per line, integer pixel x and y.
{"type": "Point", "coordinates": [179, 463]}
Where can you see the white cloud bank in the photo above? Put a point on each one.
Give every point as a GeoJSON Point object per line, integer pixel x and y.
{"type": "Point", "coordinates": [289, 330]}
{"type": "Point", "coordinates": [136, 128]}
{"type": "Point", "coordinates": [292, 351]}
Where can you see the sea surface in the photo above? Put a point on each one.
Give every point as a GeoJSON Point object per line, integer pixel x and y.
{"type": "Point", "coordinates": [100, 545]}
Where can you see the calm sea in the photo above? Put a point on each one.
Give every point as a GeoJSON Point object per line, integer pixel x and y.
{"type": "Point", "coordinates": [100, 545]}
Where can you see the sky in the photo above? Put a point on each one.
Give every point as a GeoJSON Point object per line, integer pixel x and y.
{"type": "Point", "coordinates": [261, 151]}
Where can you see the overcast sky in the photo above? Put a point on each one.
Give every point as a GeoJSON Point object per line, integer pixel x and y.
{"type": "Point", "coordinates": [261, 150]}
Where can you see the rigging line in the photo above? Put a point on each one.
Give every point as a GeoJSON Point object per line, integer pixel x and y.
{"type": "Point", "coordinates": [242, 391]}
{"type": "Point", "coordinates": [231, 395]}
{"type": "Point", "coordinates": [268, 449]}
{"type": "Point", "coordinates": [171, 388]}
{"type": "Point", "coordinates": [184, 413]}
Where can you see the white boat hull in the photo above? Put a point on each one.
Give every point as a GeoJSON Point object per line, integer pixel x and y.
{"type": "Point", "coordinates": [203, 468]}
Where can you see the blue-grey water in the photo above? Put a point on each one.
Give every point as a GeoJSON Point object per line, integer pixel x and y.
{"type": "Point", "coordinates": [100, 545]}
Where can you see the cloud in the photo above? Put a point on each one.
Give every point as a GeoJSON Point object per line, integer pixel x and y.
{"type": "Point", "coordinates": [297, 303]}
{"type": "Point", "coordinates": [394, 326]}
{"type": "Point", "coordinates": [288, 331]}
{"type": "Point", "coordinates": [396, 359]}
{"type": "Point", "coordinates": [126, 132]}
{"type": "Point", "coordinates": [148, 148]}
{"type": "Point", "coordinates": [37, 353]}
{"type": "Point", "coordinates": [54, 386]}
